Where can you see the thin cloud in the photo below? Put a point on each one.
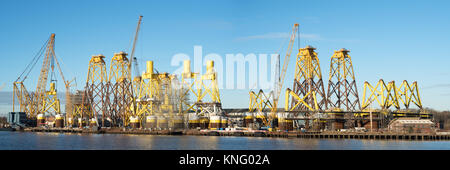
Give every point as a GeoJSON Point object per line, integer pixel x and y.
{"type": "Point", "coordinates": [2, 86]}
{"type": "Point", "coordinates": [312, 19]}
{"type": "Point", "coordinates": [220, 25]}
{"type": "Point", "coordinates": [277, 35]}
{"type": "Point", "coordinates": [437, 86]}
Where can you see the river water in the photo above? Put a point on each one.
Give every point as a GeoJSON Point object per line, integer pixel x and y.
{"type": "Point", "coordinates": [69, 141]}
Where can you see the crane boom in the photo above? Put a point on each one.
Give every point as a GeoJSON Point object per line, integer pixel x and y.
{"type": "Point", "coordinates": [279, 85]}
{"type": "Point", "coordinates": [286, 61]}
{"type": "Point", "coordinates": [134, 46]}
{"type": "Point", "coordinates": [43, 77]}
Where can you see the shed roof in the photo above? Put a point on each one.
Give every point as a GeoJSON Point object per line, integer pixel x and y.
{"type": "Point", "coordinates": [409, 121]}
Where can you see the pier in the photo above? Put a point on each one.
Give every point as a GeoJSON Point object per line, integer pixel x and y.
{"type": "Point", "coordinates": [255, 133]}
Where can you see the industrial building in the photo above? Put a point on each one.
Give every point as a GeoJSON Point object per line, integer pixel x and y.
{"type": "Point", "coordinates": [412, 125]}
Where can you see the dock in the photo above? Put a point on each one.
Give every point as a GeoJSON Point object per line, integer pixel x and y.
{"type": "Point", "coordinates": [255, 133]}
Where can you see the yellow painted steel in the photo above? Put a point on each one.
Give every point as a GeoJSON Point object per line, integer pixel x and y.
{"type": "Point", "coordinates": [341, 65]}
{"type": "Point", "coordinates": [260, 101]}
{"type": "Point", "coordinates": [79, 109]}
{"type": "Point", "coordinates": [307, 68]}
{"type": "Point", "coordinates": [147, 98]}
{"type": "Point", "coordinates": [384, 94]}
{"type": "Point", "coordinates": [97, 70]}
{"type": "Point", "coordinates": [96, 75]}
{"type": "Point", "coordinates": [24, 98]}
{"type": "Point", "coordinates": [408, 94]}
{"type": "Point", "coordinates": [41, 101]}
{"type": "Point", "coordinates": [300, 100]}
{"type": "Point", "coordinates": [156, 95]}
{"type": "Point", "coordinates": [342, 89]}
{"type": "Point", "coordinates": [120, 68]}
{"type": "Point", "coordinates": [120, 76]}
{"type": "Point", "coordinates": [188, 82]}
{"type": "Point", "coordinates": [200, 86]}
{"type": "Point", "coordinates": [208, 84]}
{"type": "Point", "coordinates": [391, 95]}
{"type": "Point", "coordinates": [51, 102]}
{"type": "Point", "coordinates": [167, 93]}
{"type": "Point", "coordinates": [33, 103]}
{"type": "Point", "coordinates": [40, 92]}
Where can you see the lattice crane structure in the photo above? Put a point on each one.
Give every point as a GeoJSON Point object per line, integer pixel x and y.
{"type": "Point", "coordinates": [120, 90]}
{"type": "Point", "coordinates": [96, 90]}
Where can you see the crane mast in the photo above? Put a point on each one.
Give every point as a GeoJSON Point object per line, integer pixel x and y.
{"type": "Point", "coordinates": [280, 80]}
{"type": "Point", "coordinates": [43, 77]}
{"type": "Point", "coordinates": [132, 58]}
{"type": "Point", "coordinates": [286, 62]}
{"type": "Point", "coordinates": [41, 101]}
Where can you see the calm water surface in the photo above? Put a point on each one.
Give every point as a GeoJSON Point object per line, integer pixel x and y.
{"type": "Point", "coordinates": [68, 141]}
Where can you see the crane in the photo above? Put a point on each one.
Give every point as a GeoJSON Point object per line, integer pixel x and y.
{"type": "Point", "coordinates": [133, 60]}
{"type": "Point", "coordinates": [36, 103]}
{"type": "Point", "coordinates": [42, 81]}
{"type": "Point", "coordinates": [280, 81]}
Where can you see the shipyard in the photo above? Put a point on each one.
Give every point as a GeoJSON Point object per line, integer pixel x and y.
{"type": "Point", "coordinates": [118, 99]}
{"type": "Point", "coordinates": [228, 84]}
{"type": "Point", "coordinates": [231, 75]}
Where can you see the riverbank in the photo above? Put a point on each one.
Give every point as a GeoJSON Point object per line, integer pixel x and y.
{"type": "Point", "coordinates": [255, 133]}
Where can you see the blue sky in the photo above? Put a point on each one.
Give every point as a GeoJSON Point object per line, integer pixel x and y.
{"type": "Point", "coordinates": [392, 40]}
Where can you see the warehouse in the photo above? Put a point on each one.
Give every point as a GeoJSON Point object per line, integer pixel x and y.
{"type": "Point", "coordinates": [412, 125]}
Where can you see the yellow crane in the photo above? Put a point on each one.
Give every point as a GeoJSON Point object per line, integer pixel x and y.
{"type": "Point", "coordinates": [279, 85]}
{"type": "Point", "coordinates": [41, 101]}
{"type": "Point", "coordinates": [260, 101]}
{"type": "Point", "coordinates": [137, 77]}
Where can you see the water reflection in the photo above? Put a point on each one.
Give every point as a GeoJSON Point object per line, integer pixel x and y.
{"type": "Point", "coordinates": [67, 141]}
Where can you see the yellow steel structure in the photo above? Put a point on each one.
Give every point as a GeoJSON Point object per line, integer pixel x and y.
{"type": "Point", "coordinates": [41, 101]}
{"type": "Point", "coordinates": [137, 79]}
{"type": "Point", "coordinates": [167, 104]}
{"type": "Point", "coordinates": [299, 100]}
{"type": "Point", "coordinates": [155, 95]}
{"type": "Point", "coordinates": [384, 94]}
{"type": "Point", "coordinates": [408, 94]}
{"type": "Point", "coordinates": [51, 102]}
{"type": "Point", "coordinates": [40, 92]}
{"type": "Point", "coordinates": [208, 84]}
{"type": "Point", "coordinates": [391, 95]}
{"type": "Point", "coordinates": [24, 98]}
{"type": "Point", "coordinates": [120, 89]}
{"type": "Point", "coordinates": [188, 83]}
{"type": "Point", "coordinates": [136, 85]}
{"type": "Point", "coordinates": [79, 109]}
{"type": "Point", "coordinates": [260, 101]}
{"type": "Point", "coordinates": [204, 87]}
{"type": "Point", "coordinates": [95, 89]}
{"type": "Point", "coordinates": [342, 89]}
{"type": "Point", "coordinates": [307, 82]}
{"type": "Point", "coordinates": [148, 96]}
{"type": "Point", "coordinates": [69, 101]}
